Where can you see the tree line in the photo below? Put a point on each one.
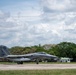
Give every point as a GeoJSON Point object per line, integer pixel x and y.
{"type": "Point", "coordinates": [63, 49]}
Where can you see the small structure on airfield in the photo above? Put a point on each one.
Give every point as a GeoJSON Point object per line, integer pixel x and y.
{"type": "Point", "coordinates": [65, 59]}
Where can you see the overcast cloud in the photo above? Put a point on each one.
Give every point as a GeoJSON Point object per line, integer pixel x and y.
{"type": "Point", "coordinates": [33, 22]}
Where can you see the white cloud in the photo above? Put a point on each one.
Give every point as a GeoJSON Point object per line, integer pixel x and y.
{"type": "Point", "coordinates": [59, 5]}
{"type": "Point", "coordinates": [61, 16]}
{"type": "Point", "coordinates": [53, 23]}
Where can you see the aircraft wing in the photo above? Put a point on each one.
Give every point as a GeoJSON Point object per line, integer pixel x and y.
{"type": "Point", "coordinates": [15, 56]}
{"type": "Point", "coordinates": [20, 59]}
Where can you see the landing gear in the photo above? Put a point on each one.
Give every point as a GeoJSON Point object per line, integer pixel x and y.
{"type": "Point", "coordinates": [20, 62]}
{"type": "Point", "coordinates": [37, 61]}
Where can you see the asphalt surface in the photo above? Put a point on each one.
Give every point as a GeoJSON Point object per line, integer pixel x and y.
{"type": "Point", "coordinates": [36, 66]}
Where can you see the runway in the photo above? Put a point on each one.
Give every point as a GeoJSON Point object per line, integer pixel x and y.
{"type": "Point", "coordinates": [36, 66]}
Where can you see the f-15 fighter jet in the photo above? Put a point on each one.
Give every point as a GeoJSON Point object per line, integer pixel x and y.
{"type": "Point", "coordinates": [4, 53]}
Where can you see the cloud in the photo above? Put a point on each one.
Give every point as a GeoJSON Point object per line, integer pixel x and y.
{"type": "Point", "coordinates": [59, 5]}
{"type": "Point", "coordinates": [53, 21]}
{"type": "Point", "coordinates": [17, 30]}
{"type": "Point", "coordinates": [61, 16]}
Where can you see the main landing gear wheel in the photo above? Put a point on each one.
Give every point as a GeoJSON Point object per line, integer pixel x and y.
{"type": "Point", "coordinates": [20, 62]}
{"type": "Point", "coordinates": [37, 61]}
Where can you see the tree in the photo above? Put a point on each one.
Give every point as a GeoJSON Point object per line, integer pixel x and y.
{"type": "Point", "coordinates": [39, 48]}
{"type": "Point", "coordinates": [64, 49]}
{"type": "Point", "coordinates": [16, 50]}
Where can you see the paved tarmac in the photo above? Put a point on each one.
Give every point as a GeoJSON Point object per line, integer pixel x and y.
{"type": "Point", "coordinates": [36, 66]}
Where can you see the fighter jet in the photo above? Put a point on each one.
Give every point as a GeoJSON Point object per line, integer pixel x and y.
{"type": "Point", "coordinates": [4, 53]}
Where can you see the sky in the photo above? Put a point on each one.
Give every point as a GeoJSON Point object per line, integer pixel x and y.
{"type": "Point", "coordinates": [34, 22]}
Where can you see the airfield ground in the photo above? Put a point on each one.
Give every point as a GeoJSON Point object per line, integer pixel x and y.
{"type": "Point", "coordinates": [36, 66]}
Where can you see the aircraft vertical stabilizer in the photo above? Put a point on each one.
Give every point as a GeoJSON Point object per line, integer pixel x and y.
{"type": "Point", "coordinates": [4, 51]}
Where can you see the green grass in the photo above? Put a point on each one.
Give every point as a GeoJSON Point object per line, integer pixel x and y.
{"type": "Point", "coordinates": [7, 63]}
{"type": "Point", "coordinates": [39, 72]}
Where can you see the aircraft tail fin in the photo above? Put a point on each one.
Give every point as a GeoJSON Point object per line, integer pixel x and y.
{"type": "Point", "coordinates": [4, 51]}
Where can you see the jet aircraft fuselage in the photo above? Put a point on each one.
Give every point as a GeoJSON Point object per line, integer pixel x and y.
{"type": "Point", "coordinates": [38, 56]}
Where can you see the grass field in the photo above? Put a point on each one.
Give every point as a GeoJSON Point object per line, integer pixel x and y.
{"type": "Point", "coordinates": [39, 72]}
